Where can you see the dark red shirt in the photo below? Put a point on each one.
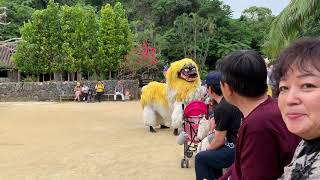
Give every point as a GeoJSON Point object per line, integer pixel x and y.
{"type": "Point", "coordinates": [264, 145]}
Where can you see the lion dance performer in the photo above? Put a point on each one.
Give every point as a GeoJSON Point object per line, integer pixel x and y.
{"type": "Point", "coordinates": [162, 103]}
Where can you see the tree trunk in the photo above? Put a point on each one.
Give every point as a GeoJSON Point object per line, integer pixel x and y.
{"type": "Point", "coordinates": [72, 76]}
{"type": "Point", "coordinates": [57, 76]}
{"type": "Point", "coordinates": [109, 74]}
{"type": "Point", "coordinates": [79, 76]}
{"type": "Point", "coordinates": [19, 76]}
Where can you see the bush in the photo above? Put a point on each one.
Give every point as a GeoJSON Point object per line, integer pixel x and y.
{"type": "Point", "coordinates": [30, 79]}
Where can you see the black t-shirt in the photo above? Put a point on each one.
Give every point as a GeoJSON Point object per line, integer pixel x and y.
{"type": "Point", "coordinates": [227, 118]}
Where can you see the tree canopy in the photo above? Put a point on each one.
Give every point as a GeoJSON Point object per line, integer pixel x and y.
{"type": "Point", "coordinates": [298, 19]}
{"type": "Point", "coordinates": [73, 39]}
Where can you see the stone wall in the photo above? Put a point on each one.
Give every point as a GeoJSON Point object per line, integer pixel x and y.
{"type": "Point", "coordinates": [3, 80]}
{"type": "Point", "coordinates": [12, 76]}
{"type": "Point", "coordinates": [50, 91]}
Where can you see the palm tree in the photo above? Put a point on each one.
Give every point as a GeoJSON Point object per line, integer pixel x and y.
{"type": "Point", "coordinates": [286, 26]}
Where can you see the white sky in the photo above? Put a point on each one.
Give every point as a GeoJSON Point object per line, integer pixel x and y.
{"type": "Point", "coordinates": [237, 6]}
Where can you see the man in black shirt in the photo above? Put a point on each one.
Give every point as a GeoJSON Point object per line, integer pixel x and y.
{"type": "Point", "coordinates": [220, 152]}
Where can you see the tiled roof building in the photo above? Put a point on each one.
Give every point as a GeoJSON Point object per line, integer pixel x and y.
{"type": "Point", "coordinates": [8, 73]}
{"type": "Point", "coordinates": [6, 52]}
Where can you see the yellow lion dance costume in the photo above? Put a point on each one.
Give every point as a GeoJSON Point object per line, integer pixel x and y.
{"type": "Point", "coordinates": [162, 103]}
{"type": "Point", "coordinates": [155, 105]}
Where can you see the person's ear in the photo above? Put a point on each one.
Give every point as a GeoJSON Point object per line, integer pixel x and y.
{"type": "Point", "coordinates": [226, 89]}
{"type": "Point", "coordinates": [210, 89]}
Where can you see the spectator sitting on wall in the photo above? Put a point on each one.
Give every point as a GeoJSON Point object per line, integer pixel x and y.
{"type": "Point", "coordinates": [127, 94]}
{"type": "Point", "coordinates": [99, 89]}
{"type": "Point", "coordinates": [77, 92]}
{"type": "Point", "coordinates": [118, 90]}
{"type": "Point", "coordinates": [84, 92]}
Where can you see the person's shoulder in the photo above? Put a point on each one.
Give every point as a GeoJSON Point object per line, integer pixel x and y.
{"type": "Point", "coordinates": [270, 105]}
{"type": "Point", "coordinates": [265, 117]}
{"type": "Point", "coordinates": [266, 110]}
{"type": "Point", "coordinates": [226, 107]}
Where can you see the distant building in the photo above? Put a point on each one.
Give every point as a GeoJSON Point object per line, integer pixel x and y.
{"type": "Point", "coordinates": [8, 72]}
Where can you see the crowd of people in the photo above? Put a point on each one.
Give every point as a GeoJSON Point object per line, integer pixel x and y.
{"type": "Point", "coordinates": [261, 137]}
{"type": "Point", "coordinates": [88, 93]}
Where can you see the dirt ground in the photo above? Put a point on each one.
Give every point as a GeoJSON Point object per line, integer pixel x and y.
{"type": "Point", "coordinates": [80, 141]}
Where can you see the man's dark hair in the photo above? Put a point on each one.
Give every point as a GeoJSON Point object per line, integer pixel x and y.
{"type": "Point", "coordinates": [245, 72]}
{"type": "Point", "coordinates": [215, 88]}
{"type": "Point", "coordinates": [302, 54]}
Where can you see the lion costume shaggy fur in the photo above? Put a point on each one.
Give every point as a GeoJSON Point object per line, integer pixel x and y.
{"type": "Point", "coordinates": [162, 103]}
{"type": "Point", "coordinates": [155, 104]}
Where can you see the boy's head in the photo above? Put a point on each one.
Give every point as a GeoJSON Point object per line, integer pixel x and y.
{"type": "Point", "coordinates": [243, 72]}
{"type": "Point", "coordinates": [213, 83]}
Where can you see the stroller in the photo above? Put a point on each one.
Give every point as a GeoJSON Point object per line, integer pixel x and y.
{"type": "Point", "coordinates": [90, 95]}
{"type": "Point", "coordinates": [192, 114]}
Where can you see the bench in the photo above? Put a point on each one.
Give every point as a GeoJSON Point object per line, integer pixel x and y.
{"type": "Point", "coordinates": [107, 96]}
{"type": "Point", "coordinates": [66, 97]}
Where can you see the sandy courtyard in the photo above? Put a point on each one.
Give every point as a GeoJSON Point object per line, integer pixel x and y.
{"type": "Point", "coordinates": [80, 141]}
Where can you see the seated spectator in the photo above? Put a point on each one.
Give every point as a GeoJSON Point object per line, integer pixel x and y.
{"type": "Point", "coordinates": [298, 74]}
{"type": "Point", "coordinates": [118, 90]}
{"type": "Point", "coordinates": [127, 94]}
{"type": "Point", "coordinates": [77, 92]}
{"type": "Point", "coordinates": [264, 146]}
{"type": "Point", "coordinates": [84, 92]}
{"type": "Point", "coordinates": [99, 90]}
{"type": "Point", "coordinates": [220, 152]}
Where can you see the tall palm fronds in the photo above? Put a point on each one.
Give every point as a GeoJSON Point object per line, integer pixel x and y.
{"type": "Point", "coordinates": [285, 27]}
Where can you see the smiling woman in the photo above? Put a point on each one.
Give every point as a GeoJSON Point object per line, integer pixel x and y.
{"type": "Point", "coordinates": [298, 75]}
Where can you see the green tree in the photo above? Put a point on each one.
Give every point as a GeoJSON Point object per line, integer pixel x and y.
{"type": "Point", "coordinates": [286, 27]}
{"type": "Point", "coordinates": [192, 34]}
{"type": "Point", "coordinates": [42, 42]}
{"type": "Point", "coordinates": [258, 19]}
{"type": "Point", "coordinates": [18, 12]}
{"type": "Point", "coordinates": [42, 4]}
{"type": "Point", "coordinates": [114, 39]}
{"type": "Point", "coordinates": [123, 35]}
{"type": "Point", "coordinates": [165, 12]}
{"type": "Point", "coordinates": [256, 14]}
{"type": "Point", "coordinates": [106, 59]}
{"type": "Point", "coordinates": [311, 27]}
{"type": "Point", "coordinates": [79, 31]}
